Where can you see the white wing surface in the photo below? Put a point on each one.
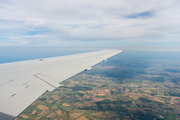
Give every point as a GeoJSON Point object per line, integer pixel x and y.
{"type": "Point", "coordinates": [21, 83]}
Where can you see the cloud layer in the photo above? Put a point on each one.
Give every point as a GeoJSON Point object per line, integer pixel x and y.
{"type": "Point", "coordinates": [52, 22]}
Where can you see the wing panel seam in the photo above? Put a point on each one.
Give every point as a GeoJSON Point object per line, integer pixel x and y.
{"type": "Point", "coordinates": [44, 80]}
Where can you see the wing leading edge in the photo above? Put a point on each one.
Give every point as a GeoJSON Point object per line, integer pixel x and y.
{"type": "Point", "coordinates": [23, 82]}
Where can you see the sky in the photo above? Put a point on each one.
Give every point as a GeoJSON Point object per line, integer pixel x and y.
{"type": "Point", "coordinates": [114, 24]}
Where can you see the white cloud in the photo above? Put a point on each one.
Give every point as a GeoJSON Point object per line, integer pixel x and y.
{"type": "Point", "coordinates": [26, 22]}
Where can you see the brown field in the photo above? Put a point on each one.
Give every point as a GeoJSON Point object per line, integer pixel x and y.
{"type": "Point", "coordinates": [42, 107]}
{"type": "Point", "coordinates": [74, 82]}
{"type": "Point", "coordinates": [79, 111]}
{"type": "Point", "coordinates": [98, 99]}
{"type": "Point", "coordinates": [88, 102]}
{"type": "Point", "coordinates": [133, 95]}
{"type": "Point", "coordinates": [51, 115]}
{"type": "Point", "coordinates": [134, 104]}
{"type": "Point", "coordinates": [84, 106]}
{"type": "Point", "coordinates": [100, 91]}
{"type": "Point", "coordinates": [127, 90]}
{"type": "Point", "coordinates": [75, 104]}
{"type": "Point", "coordinates": [34, 111]}
{"type": "Point", "coordinates": [56, 92]}
{"type": "Point", "coordinates": [82, 118]}
{"type": "Point", "coordinates": [100, 95]}
{"type": "Point", "coordinates": [59, 101]}
{"type": "Point", "coordinates": [81, 91]}
{"type": "Point", "coordinates": [80, 105]}
{"type": "Point", "coordinates": [154, 98]}
{"type": "Point", "coordinates": [67, 96]}
{"type": "Point", "coordinates": [89, 91]}
{"type": "Point", "coordinates": [59, 112]}
{"type": "Point", "coordinates": [42, 113]}
{"type": "Point", "coordinates": [49, 101]}
{"type": "Point", "coordinates": [24, 116]}
{"type": "Point", "coordinates": [57, 98]}
{"type": "Point", "coordinates": [100, 114]}
{"type": "Point", "coordinates": [104, 92]}
{"type": "Point", "coordinates": [37, 118]}
{"type": "Point", "coordinates": [86, 97]}
{"type": "Point", "coordinates": [75, 115]}
{"type": "Point", "coordinates": [81, 98]}
{"type": "Point", "coordinates": [86, 82]}
{"type": "Point", "coordinates": [106, 89]}
{"type": "Point", "coordinates": [158, 100]}
{"type": "Point", "coordinates": [65, 104]}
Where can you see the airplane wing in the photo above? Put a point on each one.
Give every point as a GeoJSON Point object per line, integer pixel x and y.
{"type": "Point", "coordinates": [21, 83]}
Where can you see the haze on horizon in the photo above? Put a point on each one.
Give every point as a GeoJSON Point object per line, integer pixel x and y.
{"type": "Point", "coordinates": [117, 24]}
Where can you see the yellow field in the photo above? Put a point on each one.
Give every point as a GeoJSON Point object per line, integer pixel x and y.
{"type": "Point", "coordinates": [65, 104]}
{"type": "Point", "coordinates": [75, 115]}
{"type": "Point", "coordinates": [24, 116]}
{"type": "Point", "coordinates": [37, 118]}
{"type": "Point", "coordinates": [98, 99]}
{"type": "Point", "coordinates": [59, 112]}
{"type": "Point", "coordinates": [34, 111]}
{"type": "Point", "coordinates": [81, 91]}
{"type": "Point", "coordinates": [42, 107]}
{"type": "Point", "coordinates": [82, 118]}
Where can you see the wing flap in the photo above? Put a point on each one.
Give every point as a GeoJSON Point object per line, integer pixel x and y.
{"type": "Point", "coordinates": [16, 86]}
{"type": "Point", "coordinates": [15, 104]}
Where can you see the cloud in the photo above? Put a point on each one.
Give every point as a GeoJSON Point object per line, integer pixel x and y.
{"type": "Point", "coordinates": [53, 22]}
{"type": "Point", "coordinates": [145, 14]}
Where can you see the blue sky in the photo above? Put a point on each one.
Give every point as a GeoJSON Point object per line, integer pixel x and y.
{"type": "Point", "coordinates": [113, 24]}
